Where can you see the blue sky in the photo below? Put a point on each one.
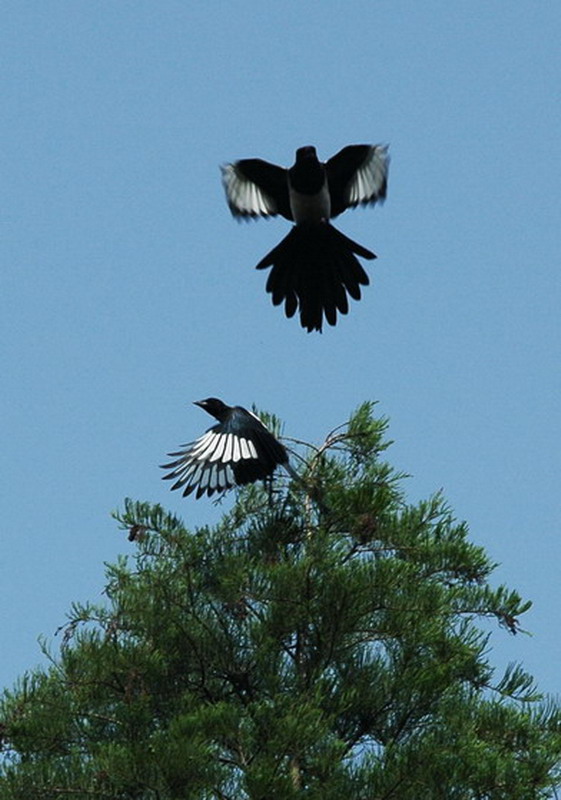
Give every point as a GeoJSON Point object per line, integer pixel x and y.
{"type": "Point", "coordinates": [127, 290]}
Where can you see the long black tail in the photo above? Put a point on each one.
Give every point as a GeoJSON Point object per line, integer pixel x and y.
{"type": "Point", "coordinates": [313, 268]}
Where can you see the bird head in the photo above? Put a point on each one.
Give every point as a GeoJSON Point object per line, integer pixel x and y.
{"type": "Point", "coordinates": [304, 153]}
{"type": "Point", "coordinates": [213, 406]}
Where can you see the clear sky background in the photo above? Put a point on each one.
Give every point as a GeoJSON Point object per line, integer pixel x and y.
{"type": "Point", "coordinates": [127, 290]}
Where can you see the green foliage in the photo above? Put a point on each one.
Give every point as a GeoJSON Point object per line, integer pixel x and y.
{"type": "Point", "coordinates": [320, 642]}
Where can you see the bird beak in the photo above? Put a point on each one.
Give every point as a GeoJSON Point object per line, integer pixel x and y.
{"type": "Point", "coordinates": [200, 403]}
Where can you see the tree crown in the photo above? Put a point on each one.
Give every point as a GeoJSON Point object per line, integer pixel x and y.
{"type": "Point", "coordinates": [321, 641]}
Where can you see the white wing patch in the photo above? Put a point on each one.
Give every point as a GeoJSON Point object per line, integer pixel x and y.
{"type": "Point", "coordinates": [219, 449]}
{"type": "Point", "coordinates": [206, 442]}
{"type": "Point", "coordinates": [244, 448]}
{"type": "Point", "coordinates": [206, 465]}
{"type": "Point", "coordinates": [245, 198]}
{"type": "Point", "coordinates": [368, 182]}
{"type": "Point", "coordinates": [228, 449]}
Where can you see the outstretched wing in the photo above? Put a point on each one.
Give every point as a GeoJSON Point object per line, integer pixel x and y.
{"type": "Point", "coordinates": [208, 465]}
{"type": "Point", "coordinates": [255, 188]}
{"type": "Point", "coordinates": [357, 175]}
{"type": "Point", "coordinates": [236, 452]}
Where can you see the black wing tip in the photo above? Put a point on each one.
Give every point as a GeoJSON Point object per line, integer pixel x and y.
{"type": "Point", "coordinates": [169, 476]}
{"type": "Point", "coordinates": [378, 199]}
{"type": "Point", "coordinates": [247, 216]}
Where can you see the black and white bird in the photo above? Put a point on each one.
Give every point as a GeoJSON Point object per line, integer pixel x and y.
{"type": "Point", "coordinates": [315, 265]}
{"type": "Point", "coordinates": [236, 451]}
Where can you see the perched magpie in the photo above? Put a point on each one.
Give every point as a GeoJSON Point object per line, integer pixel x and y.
{"type": "Point", "coordinates": [315, 265]}
{"type": "Point", "coordinates": [237, 451]}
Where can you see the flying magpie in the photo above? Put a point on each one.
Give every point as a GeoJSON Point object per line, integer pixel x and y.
{"type": "Point", "coordinates": [315, 265]}
{"type": "Point", "coordinates": [236, 451]}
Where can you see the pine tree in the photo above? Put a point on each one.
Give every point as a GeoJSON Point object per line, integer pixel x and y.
{"type": "Point", "coordinates": [321, 642]}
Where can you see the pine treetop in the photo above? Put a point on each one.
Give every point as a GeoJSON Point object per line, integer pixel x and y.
{"type": "Point", "coordinates": [321, 641]}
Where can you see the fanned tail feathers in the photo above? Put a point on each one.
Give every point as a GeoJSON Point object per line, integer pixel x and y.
{"type": "Point", "coordinates": [313, 269]}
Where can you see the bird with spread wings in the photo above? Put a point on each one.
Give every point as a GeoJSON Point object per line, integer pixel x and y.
{"type": "Point", "coordinates": [315, 266]}
{"type": "Point", "coordinates": [236, 451]}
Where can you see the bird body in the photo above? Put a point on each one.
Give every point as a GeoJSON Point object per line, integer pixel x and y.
{"type": "Point", "coordinates": [308, 190]}
{"type": "Point", "coordinates": [315, 266]}
{"type": "Point", "coordinates": [310, 208]}
{"type": "Point", "coordinates": [237, 451]}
